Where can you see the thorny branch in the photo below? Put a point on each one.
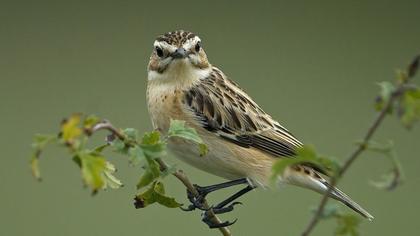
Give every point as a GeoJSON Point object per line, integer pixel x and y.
{"type": "Point", "coordinates": [402, 86]}
{"type": "Point", "coordinates": [179, 174]}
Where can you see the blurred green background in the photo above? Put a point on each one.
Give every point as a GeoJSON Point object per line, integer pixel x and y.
{"type": "Point", "coordinates": [312, 65]}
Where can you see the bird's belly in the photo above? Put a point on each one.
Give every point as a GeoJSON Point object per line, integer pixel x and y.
{"type": "Point", "coordinates": [216, 163]}
{"type": "Point", "coordinates": [223, 160]}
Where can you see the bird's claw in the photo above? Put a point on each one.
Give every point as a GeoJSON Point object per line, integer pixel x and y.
{"type": "Point", "coordinates": [198, 201]}
{"type": "Point", "coordinates": [207, 218]}
{"type": "Point", "coordinates": [229, 208]}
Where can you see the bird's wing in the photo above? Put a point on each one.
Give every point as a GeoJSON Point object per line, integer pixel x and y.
{"type": "Point", "coordinates": [220, 106]}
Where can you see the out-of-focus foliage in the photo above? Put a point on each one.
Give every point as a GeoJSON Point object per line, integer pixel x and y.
{"type": "Point", "coordinates": [347, 224]}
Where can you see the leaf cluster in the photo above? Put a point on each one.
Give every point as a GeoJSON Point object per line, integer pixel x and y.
{"type": "Point", "coordinates": [98, 173]}
{"type": "Point", "coordinates": [407, 105]}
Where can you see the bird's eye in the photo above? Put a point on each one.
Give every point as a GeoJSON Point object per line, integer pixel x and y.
{"type": "Point", "coordinates": [159, 51]}
{"type": "Point", "coordinates": [198, 46]}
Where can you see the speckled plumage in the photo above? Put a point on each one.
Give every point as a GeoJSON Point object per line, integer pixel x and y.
{"type": "Point", "coordinates": [243, 140]}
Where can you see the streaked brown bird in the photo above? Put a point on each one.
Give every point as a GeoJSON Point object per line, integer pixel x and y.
{"type": "Point", "coordinates": [243, 140]}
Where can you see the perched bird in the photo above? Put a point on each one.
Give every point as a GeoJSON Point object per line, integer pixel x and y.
{"type": "Point", "coordinates": [242, 139]}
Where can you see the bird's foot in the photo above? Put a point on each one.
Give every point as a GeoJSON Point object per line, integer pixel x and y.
{"type": "Point", "coordinates": [197, 201]}
{"type": "Point", "coordinates": [207, 215]}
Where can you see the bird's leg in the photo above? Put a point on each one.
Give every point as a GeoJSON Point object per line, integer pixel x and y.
{"type": "Point", "coordinates": [223, 207]}
{"type": "Point", "coordinates": [197, 201]}
{"type": "Point", "coordinates": [226, 205]}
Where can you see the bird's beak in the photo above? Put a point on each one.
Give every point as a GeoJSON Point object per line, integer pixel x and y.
{"type": "Point", "coordinates": [180, 53]}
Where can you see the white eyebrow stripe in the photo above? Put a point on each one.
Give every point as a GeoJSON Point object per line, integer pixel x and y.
{"type": "Point", "coordinates": [191, 43]}
{"type": "Point", "coordinates": [165, 45]}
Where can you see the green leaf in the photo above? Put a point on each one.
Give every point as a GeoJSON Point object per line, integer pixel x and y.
{"type": "Point", "coordinates": [401, 76]}
{"type": "Point", "coordinates": [90, 121]}
{"type": "Point", "coordinates": [97, 173]}
{"type": "Point", "coordinates": [131, 134]}
{"type": "Point", "coordinates": [152, 146]}
{"type": "Point", "coordinates": [410, 107]}
{"type": "Point", "coordinates": [330, 165]}
{"type": "Point", "coordinates": [119, 146]}
{"type": "Point", "coordinates": [136, 155]}
{"type": "Point", "coordinates": [151, 138]}
{"type": "Point", "coordinates": [35, 167]}
{"type": "Point", "coordinates": [386, 91]}
{"type": "Point", "coordinates": [155, 194]}
{"type": "Point", "coordinates": [178, 129]}
{"type": "Point", "coordinates": [39, 143]}
{"type": "Point", "coordinates": [347, 224]}
{"type": "Point", "coordinates": [42, 140]}
{"type": "Point", "coordinates": [154, 151]}
{"type": "Point", "coordinates": [110, 180]}
{"type": "Point", "coordinates": [101, 148]}
{"type": "Point", "coordinates": [92, 168]}
{"type": "Point", "coordinates": [70, 129]}
{"type": "Point", "coordinates": [305, 154]}
{"type": "Point", "coordinates": [151, 173]}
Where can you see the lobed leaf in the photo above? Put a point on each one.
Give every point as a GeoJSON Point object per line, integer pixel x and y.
{"type": "Point", "coordinates": [151, 173]}
{"type": "Point", "coordinates": [155, 194]}
{"type": "Point", "coordinates": [70, 129]}
{"type": "Point", "coordinates": [119, 146]}
{"type": "Point", "coordinates": [178, 129]}
{"type": "Point", "coordinates": [136, 155]}
{"type": "Point", "coordinates": [97, 173]}
{"type": "Point", "coordinates": [131, 134]}
{"type": "Point", "coordinates": [151, 138]}
{"type": "Point", "coordinates": [110, 180]}
{"type": "Point", "coordinates": [152, 145]}
{"type": "Point", "coordinates": [92, 167]}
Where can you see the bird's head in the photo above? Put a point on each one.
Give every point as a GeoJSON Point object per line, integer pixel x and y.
{"type": "Point", "coordinates": [175, 54]}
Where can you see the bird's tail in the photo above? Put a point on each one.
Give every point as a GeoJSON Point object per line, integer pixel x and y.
{"type": "Point", "coordinates": [307, 177]}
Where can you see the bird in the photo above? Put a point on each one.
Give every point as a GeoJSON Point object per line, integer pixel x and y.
{"type": "Point", "coordinates": [243, 141]}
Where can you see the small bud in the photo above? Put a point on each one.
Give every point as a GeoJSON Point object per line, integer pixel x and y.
{"type": "Point", "coordinates": [414, 66]}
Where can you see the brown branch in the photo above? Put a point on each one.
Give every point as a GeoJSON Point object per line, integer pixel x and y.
{"type": "Point", "coordinates": [402, 86]}
{"type": "Point", "coordinates": [179, 174]}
